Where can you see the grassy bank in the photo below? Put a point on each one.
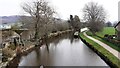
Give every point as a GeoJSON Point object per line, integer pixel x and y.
{"type": "Point", "coordinates": [106, 30]}
{"type": "Point", "coordinates": [111, 58]}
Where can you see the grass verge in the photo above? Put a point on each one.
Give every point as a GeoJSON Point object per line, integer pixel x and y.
{"type": "Point", "coordinates": [114, 46]}
{"type": "Point", "coordinates": [111, 58]}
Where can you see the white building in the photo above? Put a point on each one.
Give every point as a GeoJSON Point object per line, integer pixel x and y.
{"type": "Point", "coordinates": [5, 26]}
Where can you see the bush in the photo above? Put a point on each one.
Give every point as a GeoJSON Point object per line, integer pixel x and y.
{"type": "Point", "coordinates": [106, 35]}
{"type": "Point", "coordinates": [7, 52]}
{"type": "Point", "coordinates": [110, 37]}
{"type": "Point", "coordinates": [12, 46]}
{"type": "Point", "coordinates": [4, 59]}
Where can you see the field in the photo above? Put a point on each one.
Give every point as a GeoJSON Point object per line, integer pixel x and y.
{"type": "Point", "coordinates": [106, 30]}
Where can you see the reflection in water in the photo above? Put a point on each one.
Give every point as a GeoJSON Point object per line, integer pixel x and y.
{"type": "Point", "coordinates": [47, 46]}
{"type": "Point", "coordinates": [72, 37]}
{"type": "Point", "coordinates": [37, 50]}
{"type": "Point", "coordinates": [62, 51]}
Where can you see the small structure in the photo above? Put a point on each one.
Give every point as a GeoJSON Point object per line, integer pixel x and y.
{"type": "Point", "coordinates": [117, 27]}
{"type": "Point", "coordinates": [19, 32]}
{"type": "Point", "coordinates": [76, 34]}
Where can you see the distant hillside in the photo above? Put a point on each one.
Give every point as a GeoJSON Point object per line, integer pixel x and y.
{"type": "Point", "coordinates": [9, 19]}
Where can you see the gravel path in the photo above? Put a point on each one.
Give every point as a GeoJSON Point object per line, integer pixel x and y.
{"type": "Point", "coordinates": [107, 47]}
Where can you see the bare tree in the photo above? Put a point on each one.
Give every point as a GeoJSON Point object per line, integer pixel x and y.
{"type": "Point", "coordinates": [95, 15]}
{"type": "Point", "coordinates": [41, 13]}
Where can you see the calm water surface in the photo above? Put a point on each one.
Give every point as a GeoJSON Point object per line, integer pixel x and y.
{"type": "Point", "coordinates": [62, 51]}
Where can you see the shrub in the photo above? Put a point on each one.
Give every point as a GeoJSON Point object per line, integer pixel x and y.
{"type": "Point", "coordinates": [7, 52]}
{"type": "Point", "coordinates": [110, 37]}
{"type": "Point", "coordinates": [4, 59]}
{"type": "Point", "coordinates": [12, 46]}
{"type": "Point", "coordinates": [106, 35]}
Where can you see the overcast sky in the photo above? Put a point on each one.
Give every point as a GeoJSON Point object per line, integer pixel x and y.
{"type": "Point", "coordinates": [63, 7]}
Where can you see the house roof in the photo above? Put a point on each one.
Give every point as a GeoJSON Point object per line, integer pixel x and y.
{"type": "Point", "coordinates": [117, 24]}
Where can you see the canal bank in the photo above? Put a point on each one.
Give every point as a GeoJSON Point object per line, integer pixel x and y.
{"type": "Point", "coordinates": [63, 50]}
{"type": "Point", "coordinates": [109, 58]}
{"type": "Point", "coordinates": [24, 52]}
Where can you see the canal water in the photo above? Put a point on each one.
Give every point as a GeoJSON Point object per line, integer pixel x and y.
{"type": "Point", "coordinates": [62, 51]}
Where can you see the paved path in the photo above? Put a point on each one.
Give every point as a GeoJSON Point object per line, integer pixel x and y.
{"type": "Point", "coordinates": [107, 47]}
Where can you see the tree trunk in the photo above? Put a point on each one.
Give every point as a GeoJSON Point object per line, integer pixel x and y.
{"type": "Point", "coordinates": [36, 33]}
